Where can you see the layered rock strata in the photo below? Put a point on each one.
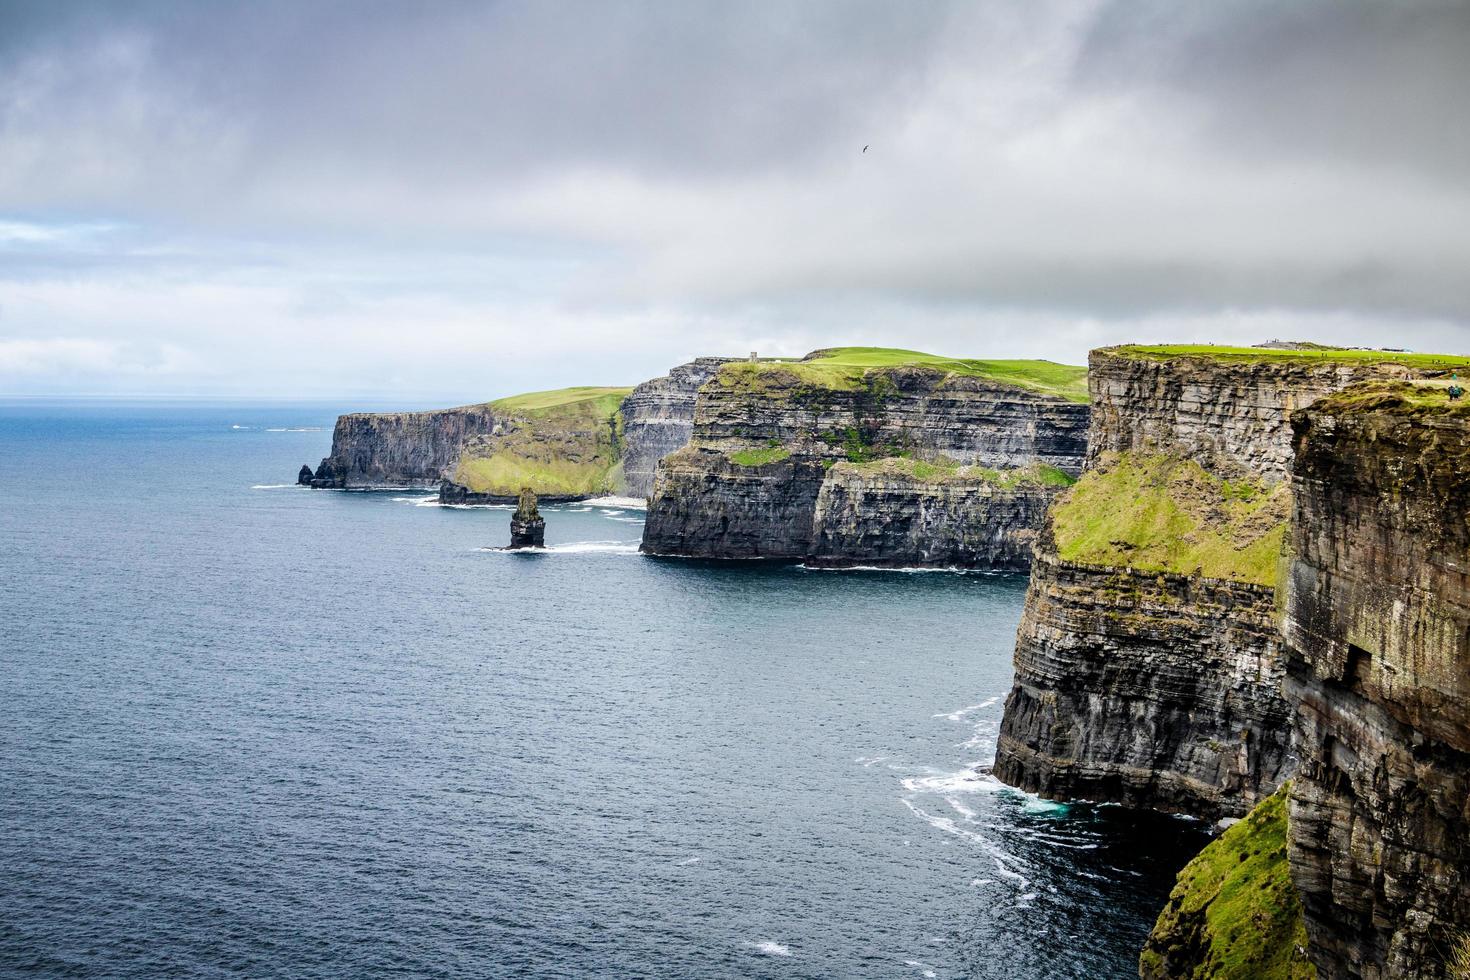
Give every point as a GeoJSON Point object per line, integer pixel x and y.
{"type": "Point", "coordinates": [1147, 668]}
{"type": "Point", "coordinates": [1232, 410]}
{"type": "Point", "coordinates": [888, 515]}
{"type": "Point", "coordinates": [658, 418]}
{"type": "Point", "coordinates": [1377, 624]}
{"type": "Point", "coordinates": [1147, 688]}
{"type": "Point", "coordinates": [399, 449]}
{"type": "Point", "coordinates": [897, 465]}
{"type": "Point", "coordinates": [527, 526]}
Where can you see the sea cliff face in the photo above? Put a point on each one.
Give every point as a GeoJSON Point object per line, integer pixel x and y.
{"type": "Point", "coordinates": [658, 418]}
{"type": "Point", "coordinates": [1148, 669]}
{"type": "Point", "coordinates": [1147, 688]}
{"type": "Point", "coordinates": [1377, 624]}
{"type": "Point", "coordinates": [1232, 411]}
{"type": "Point", "coordinates": [399, 449]}
{"type": "Point", "coordinates": [906, 464]}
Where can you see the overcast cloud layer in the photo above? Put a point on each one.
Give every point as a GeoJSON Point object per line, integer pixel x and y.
{"type": "Point", "coordinates": [460, 200]}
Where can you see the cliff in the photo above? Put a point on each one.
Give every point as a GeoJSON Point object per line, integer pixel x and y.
{"type": "Point", "coordinates": [561, 444]}
{"type": "Point", "coordinates": [787, 460]}
{"type": "Point", "coordinates": [1148, 668]}
{"type": "Point", "coordinates": [1228, 405]}
{"type": "Point", "coordinates": [399, 449]}
{"type": "Point", "coordinates": [1377, 625]}
{"type": "Point", "coordinates": [658, 418]}
{"type": "Point", "coordinates": [1234, 914]}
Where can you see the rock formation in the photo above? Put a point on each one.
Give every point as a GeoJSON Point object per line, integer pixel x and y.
{"type": "Point", "coordinates": [399, 449]}
{"type": "Point", "coordinates": [925, 461]}
{"type": "Point", "coordinates": [658, 418]}
{"type": "Point", "coordinates": [527, 526]}
{"type": "Point", "coordinates": [305, 476]}
{"type": "Point", "coordinates": [1148, 668]}
{"type": "Point", "coordinates": [1377, 625]}
{"type": "Point", "coordinates": [1234, 914]}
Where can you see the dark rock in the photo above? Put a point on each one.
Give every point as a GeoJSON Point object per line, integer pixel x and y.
{"type": "Point", "coordinates": [1377, 628]}
{"type": "Point", "coordinates": [400, 449]}
{"type": "Point", "coordinates": [795, 497]}
{"type": "Point", "coordinates": [305, 477]}
{"type": "Point", "coordinates": [527, 526]}
{"type": "Point", "coordinates": [1145, 688]}
{"type": "Point", "coordinates": [658, 418]}
{"type": "Point", "coordinates": [1155, 689]}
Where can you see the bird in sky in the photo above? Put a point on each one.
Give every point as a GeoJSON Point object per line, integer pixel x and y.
{"type": "Point", "coordinates": [865, 147]}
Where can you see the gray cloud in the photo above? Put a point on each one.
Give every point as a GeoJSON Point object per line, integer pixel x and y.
{"type": "Point", "coordinates": [604, 173]}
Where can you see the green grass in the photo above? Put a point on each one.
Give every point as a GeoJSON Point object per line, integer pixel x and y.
{"type": "Point", "coordinates": [760, 457]}
{"type": "Point", "coordinates": [1234, 913]}
{"type": "Point", "coordinates": [1415, 398]}
{"type": "Point", "coordinates": [1169, 514]}
{"type": "Point", "coordinates": [949, 471]}
{"type": "Point", "coordinates": [1324, 355]}
{"type": "Point", "coordinates": [564, 402]}
{"type": "Point", "coordinates": [846, 369]}
{"type": "Point", "coordinates": [562, 442]}
{"type": "Point", "coordinates": [505, 473]}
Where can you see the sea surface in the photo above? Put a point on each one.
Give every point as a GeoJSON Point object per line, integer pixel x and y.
{"type": "Point", "coordinates": [247, 728]}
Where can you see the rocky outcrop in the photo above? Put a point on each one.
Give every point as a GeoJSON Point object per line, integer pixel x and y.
{"type": "Point", "coordinates": [1234, 914]}
{"type": "Point", "coordinates": [1148, 688]}
{"type": "Point", "coordinates": [1147, 668]}
{"type": "Point", "coordinates": [707, 505]}
{"type": "Point", "coordinates": [399, 449]}
{"type": "Point", "coordinates": [658, 418]}
{"type": "Point", "coordinates": [1231, 410]}
{"type": "Point", "coordinates": [899, 514]}
{"type": "Point", "coordinates": [899, 465]}
{"type": "Point", "coordinates": [527, 526]}
{"type": "Point", "coordinates": [1377, 624]}
{"type": "Point", "coordinates": [305, 476]}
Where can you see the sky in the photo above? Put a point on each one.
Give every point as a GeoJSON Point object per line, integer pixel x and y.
{"type": "Point", "coordinates": [452, 201]}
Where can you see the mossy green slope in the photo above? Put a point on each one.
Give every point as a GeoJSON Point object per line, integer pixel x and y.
{"type": "Point", "coordinates": [846, 368]}
{"type": "Point", "coordinates": [565, 442]}
{"type": "Point", "coordinates": [1169, 514]}
{"type": "Point", "coordinates": [1234, 914]}
{"type": "Point", "coordinates": [1316, 355]}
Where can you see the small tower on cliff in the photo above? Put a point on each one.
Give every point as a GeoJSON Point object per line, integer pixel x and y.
{"type": "Point", "coordinates": [527, 526]}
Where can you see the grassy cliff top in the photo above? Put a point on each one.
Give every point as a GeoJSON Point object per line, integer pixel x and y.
{"type": "Point", "coordinates": [949, 471]}
{"type": "Point", "coordinates": [1412, 398]}
{"type": "Point", "coordinates": [1169, 514]}
{"type": "Point", "coordinates": [1316, 355]}
{"type": "Point", "coordinates": [564, 402]}
{"type": "Point", "coordinates": [844, 368]}
{"type": "Point", "coordinates": [1234, 914]}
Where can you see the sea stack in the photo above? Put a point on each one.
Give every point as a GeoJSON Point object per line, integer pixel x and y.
{"type": "Point", "coordinates": [527, 526]}
{"type": "Point", "coordinates": [304, 477]}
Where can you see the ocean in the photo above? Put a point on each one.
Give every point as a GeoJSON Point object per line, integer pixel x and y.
{"type": "Point", "coordinates": [247, 728]}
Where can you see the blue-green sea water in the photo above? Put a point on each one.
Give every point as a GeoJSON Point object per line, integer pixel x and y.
{"type": "Point", "coordinates": [251, 729]}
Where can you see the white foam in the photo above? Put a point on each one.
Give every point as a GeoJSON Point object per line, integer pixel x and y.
{"type": "Point", "coordinates": [627, 503]}
{"type": "Point", "coordinates": [242, 427]}
{"type": "Point", "coordinates": [959, 713]}
{"type": "Point", "coordinates": [927, 971]}
{"type": "Point", "coordinates": [964, 781]}
{"type": "Point", "coordinates": [304, 428]}
{"type": "Point", "coordinates": [688, 861]}
{"type": "Point", "coordinates": [595, 547]}
{"type": "Point", "coordinates": [768, 948]}
{"type": "Point", "coordinates": [279, 486]}
{"type": "Point", "coordinates": [611, 513]}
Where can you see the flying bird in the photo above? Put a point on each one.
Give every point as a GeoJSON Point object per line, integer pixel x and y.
{"type": "Point", "coordinates": [865, 147]}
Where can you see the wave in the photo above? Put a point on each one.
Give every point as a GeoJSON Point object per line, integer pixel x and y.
{"type": "Point", "coordinates": [242, 427]}
{"type": "Point", "coordinates": [303, 428]}
{"type": "Point", "coordinates": [768, 948]}
{"type": "Point", "coordinates": [906, 569]}
{"type": "Point", "coordinates": [279, 486]}
{"type": "Point", "coordinates": [959, 713]}
{"type": "Point", "coordinates": [627, 503]}
{"type": "Point", "coordinates": [575, 548]}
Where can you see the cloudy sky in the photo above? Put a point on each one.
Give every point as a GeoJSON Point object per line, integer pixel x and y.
{"type": "Point", "coordinates": [451, 201]}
